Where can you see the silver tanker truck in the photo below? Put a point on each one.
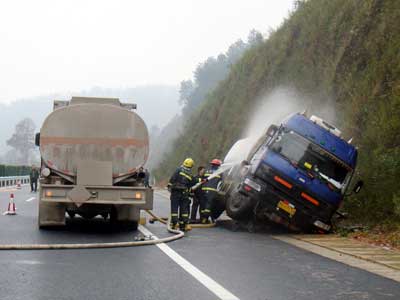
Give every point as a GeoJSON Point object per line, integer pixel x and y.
{"type": "Point", "coordinates": [91, 152]}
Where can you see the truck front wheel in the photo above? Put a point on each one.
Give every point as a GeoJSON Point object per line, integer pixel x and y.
{"type": "Point", "coordinates": [239, 206]}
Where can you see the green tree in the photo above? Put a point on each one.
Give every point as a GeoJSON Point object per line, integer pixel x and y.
{"type": "Point", "coordinates": [22, 140]}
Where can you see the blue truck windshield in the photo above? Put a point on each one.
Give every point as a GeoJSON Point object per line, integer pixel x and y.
{"type": "Point", "coordinates": [310, 157]}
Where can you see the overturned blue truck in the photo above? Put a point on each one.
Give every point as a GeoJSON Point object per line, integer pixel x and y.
{"type": "Point", "coordinates": [297, 174]}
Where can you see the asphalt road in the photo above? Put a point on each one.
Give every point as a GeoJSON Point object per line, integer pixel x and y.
{"type": "Point", "coordinates": [233, 265]}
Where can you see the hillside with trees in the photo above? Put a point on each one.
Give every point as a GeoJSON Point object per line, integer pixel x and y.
{"type": "Point", "coordinates": [344, 54]}
{"type": "Point", "coordinates": [192, 93]}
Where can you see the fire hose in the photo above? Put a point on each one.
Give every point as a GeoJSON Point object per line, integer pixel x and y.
{"type": "Point", "coordinates": [165, 221]}
{"type": "Point", "coordinates": [177, 235]}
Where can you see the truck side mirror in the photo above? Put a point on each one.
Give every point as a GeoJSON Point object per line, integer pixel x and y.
{"type": "Point", "coordinates": [37, 139]}
{"type": "Point", "coordinates": [272, 130]}
{"type": "Point", "coordinates": [358, 186]}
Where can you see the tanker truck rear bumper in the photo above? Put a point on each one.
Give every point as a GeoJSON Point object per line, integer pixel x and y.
{"type": "Point", "coordinates": [119, 202]}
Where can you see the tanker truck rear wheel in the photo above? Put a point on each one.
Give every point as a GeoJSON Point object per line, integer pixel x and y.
{"type": "Point", "coordinates": [128, 225]}
{"type": "Point", "coordinates": [124, 224]}
{"type": "Point", "coordinates": [239, 206]}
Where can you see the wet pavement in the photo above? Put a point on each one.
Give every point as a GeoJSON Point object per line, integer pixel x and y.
{"type": "Point", "coordinates": [244, 265]}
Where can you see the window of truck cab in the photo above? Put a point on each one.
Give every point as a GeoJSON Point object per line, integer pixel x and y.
{"type": "Point", "coordinates": [312, 159]}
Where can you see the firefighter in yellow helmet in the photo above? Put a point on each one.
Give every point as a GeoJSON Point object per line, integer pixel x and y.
{"type": "Point", "coordinates": [179, 185]}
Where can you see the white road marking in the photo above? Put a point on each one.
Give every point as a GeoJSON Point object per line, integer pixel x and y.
{"type": "Point", "coordinates": [30, 199]}
{"type": "Point", "coordinates": [28, 262]}
{"type": "Point", "coordinates": [205, 280]}
{"type": "Point", "coordinates": [159, 193]}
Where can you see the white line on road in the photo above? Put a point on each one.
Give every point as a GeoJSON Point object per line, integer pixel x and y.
{"type": "Point", "coordinates": [30, 199]}
{"type": "Point", "coordinates": [205, 280]}
{"type": "Point", "coordinates": [160, 193]}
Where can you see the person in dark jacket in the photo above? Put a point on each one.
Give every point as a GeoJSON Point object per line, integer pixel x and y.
{"type": "Point", "coordinates": [33, 178]}
{"type": "Point", "coordinates": [179, 185]}
{"type": "Point", "coordinates": [210, 191]}
{"type": "Point", "coordinates": [147, 178]}
{"type": "Point", "coordinates": [198, 193]}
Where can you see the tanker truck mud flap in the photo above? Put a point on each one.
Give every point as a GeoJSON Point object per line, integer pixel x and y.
{"type": "Point", "coordinates": [51, 214]}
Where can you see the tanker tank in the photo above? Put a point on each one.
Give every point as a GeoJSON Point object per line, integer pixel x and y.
{"type": "Point", "coordinates": [91, 153]}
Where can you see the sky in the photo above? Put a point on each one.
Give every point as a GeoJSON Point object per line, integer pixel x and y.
{"type": "Point", "coordinates": [56, 46]}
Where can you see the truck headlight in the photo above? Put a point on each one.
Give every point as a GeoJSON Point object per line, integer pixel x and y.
{"type": "Point", "coordinates": [252, 184]}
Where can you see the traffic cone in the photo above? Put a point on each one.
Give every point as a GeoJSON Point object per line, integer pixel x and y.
{"type": "Point", "coordinates": [11, 206]}
{"type": "Point", "coordinates": [19, 184]}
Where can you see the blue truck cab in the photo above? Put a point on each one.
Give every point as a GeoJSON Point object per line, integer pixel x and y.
{"type": "Point", "coordinates": [297, 174]}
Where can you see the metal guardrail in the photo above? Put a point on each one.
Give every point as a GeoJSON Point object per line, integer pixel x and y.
{"type": "Point", "coordinates": [13, 180]}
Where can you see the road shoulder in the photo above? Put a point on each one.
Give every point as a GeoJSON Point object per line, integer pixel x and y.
{"type": "Point", "coordinates": [370, 258]}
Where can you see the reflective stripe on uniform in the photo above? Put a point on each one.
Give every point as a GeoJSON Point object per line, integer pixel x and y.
{"type": "Point", "coordinates": [206, 210]}
{"type": "Point", "coordinates": [185, 175]}
{"type": "Point", "coordinates": [215, 176]}
{"type": "Point", "coordinates": [185, 215]}
{"type": "Point", "coordinates": [209, 189]}
{"type": "Point", "coordinates": [174, 215]}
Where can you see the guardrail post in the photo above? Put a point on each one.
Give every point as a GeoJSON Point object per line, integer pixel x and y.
{"type": "Point", "coordinates": [13, 180]}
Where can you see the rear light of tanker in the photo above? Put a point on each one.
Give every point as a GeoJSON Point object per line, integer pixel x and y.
{"type": "Point", "coordinates": [49, 193]}
{"type": "Point", "coordinates": [138, 196]}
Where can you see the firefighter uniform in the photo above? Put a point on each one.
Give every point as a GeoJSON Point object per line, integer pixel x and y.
{"type": "Point", "coordinates": [210, 191]}
{"type": "Point", "coordinates": [197, 196]}
{"type": "Point", "coordinates": [180, 184]}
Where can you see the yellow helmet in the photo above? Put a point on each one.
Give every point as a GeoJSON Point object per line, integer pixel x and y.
{"type": "Point", "coordinates": [188, 163]}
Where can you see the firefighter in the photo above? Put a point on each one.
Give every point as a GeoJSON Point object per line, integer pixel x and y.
{"type": "Point", "coordinates": [209, 190]}
{"type": "Point", "coordinates": [179, 185]}
{"type": "Point", "coordinates": [198, 193]}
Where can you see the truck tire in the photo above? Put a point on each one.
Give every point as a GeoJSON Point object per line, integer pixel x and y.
{"type": "Point", "coordinates": [239, 206]}
{"type": "Point", "coordinates": [218, 205]}
{"type": "Point", "coordinates": [128, 225]}
{"type": "Point", "coordinates": [113, 216]}
{"type": "Point", "coordinates": [121, 224]}
{"type": "Point", "coordinates": [217, 210]}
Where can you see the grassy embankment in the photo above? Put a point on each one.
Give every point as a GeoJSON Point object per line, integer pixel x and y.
{"type": "Point", "coordinates": [345, 50]}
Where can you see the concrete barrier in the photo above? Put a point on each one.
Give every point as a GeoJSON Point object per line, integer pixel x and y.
{"type": "Point", "coordinates": [13, 180]}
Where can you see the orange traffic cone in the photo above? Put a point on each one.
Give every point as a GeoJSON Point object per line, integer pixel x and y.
{"type": "Point", "coordinates": [19, 184]}
{"type": "Point", "coordinates": [11, 206]}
